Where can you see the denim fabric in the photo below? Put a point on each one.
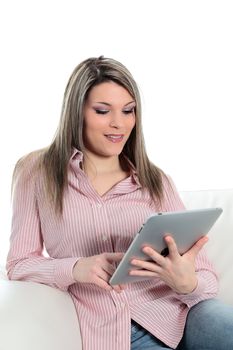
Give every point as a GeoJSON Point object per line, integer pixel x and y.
{"type": "Point", "coordinates": [209, 326]}
{"type": "Point", "coordinates": [141, 339]}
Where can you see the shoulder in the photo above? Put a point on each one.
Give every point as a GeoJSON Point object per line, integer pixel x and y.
{"type": "Point", "coordinates": [27, 167]}
{"type": "Point", "coordinates": [171, 197]}
{"type": "Point", "coordinates": [168, 183]}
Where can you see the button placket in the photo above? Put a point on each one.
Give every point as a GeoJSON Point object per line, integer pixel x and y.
{"type": "Point", "coordinates": [104, 238]}
{"type": "Point", "coordinates": [102, 226]}
{"type": "Point", "coordinates": [99, 205]}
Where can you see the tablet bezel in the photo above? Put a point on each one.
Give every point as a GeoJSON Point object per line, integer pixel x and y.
{"type": "Point", "coordinates": [186, 227]}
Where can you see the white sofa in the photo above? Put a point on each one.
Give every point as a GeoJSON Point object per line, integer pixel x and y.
{"type": "Point", "coordinates": [35, 316]}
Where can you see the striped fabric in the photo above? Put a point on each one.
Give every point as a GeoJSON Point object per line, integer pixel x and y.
{"type": "Point", "coordinates": [91, 225]}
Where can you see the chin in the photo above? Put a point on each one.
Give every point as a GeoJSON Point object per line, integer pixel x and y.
{"type": "Point", "coordinates": [116, 154]}
{"type": "Point", "coordinates": [107, 150]}
{"type": "Point", "coordinates": [111, 154]}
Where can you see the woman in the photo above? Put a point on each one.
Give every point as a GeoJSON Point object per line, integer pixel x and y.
{"type": "Point", "coordinates": [83, 198]}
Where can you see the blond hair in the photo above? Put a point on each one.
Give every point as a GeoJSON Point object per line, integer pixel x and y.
{"type": "Point", "coordinates": [54, 159]}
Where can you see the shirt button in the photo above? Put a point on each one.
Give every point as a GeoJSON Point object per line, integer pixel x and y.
{"type": "Point", "coordinates": [104, 238]}
{"type": "Point", "coordinates": [99, 205]}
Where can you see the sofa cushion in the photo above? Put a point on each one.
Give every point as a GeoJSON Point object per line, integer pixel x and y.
{"type": "Point", "coordinates": [34, 316]}
{"type": "Point", "coordinates": [220, 245]}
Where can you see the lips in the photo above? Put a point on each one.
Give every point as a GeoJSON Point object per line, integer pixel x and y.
{"type": "Point", "coordinates": [114, 137]}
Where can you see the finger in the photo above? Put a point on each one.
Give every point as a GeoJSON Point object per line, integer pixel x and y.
{"type": "Point", "coordinates": [102, 284]}
{"type": "Point", "coordinates": [122, 286]}
{"type": "Point", "coordinates": [146, 265]}
{"type": "Point", "coordinates": [143, 273]}
{"type": "Point", "coordinates": [107, 275]}
{"type": "Point", "coordinates": [111, 257]}
{"type": "Point", "coordinates": [117, 288]}
{"type": "Point", "coordinates": [103, 275]}
{"type": "Point", "coordinates": [102, 279]}
{"type": "Point", "coordinates": [154, 255]}
{"type": "Point", "coordinates": [114, 257]}
{"type": "Point", "coordinates": [172, 247]}
{"type": "Point", "coordinates": [109, 268]}
{"type": "Point", "coordinates": [197, 247]}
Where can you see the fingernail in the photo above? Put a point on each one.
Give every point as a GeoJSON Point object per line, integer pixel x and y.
{"type": "Point", "coordinates": [146, 250]}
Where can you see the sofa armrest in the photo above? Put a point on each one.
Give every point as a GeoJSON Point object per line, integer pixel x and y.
{"type": "Point", "coordinates": [35, 316]}
{"type": "Point", "coordinates": [220, 243]}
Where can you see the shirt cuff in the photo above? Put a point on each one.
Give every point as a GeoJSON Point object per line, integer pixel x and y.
{"type": "Point", "coordinates": [195, 296]}
{"type": "Point", "coordinates": [64, 272]}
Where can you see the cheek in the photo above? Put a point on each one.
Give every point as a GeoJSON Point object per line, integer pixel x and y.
{"type": "Point", "coordinates": [130, 124]}
{"type": "Point", "coordinates": [94, 123]}
{"type": "Point", "coordinates": [92, 126]}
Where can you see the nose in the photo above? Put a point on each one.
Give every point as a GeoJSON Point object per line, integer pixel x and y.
{"type": "Point", "coordinates": [116, 120]}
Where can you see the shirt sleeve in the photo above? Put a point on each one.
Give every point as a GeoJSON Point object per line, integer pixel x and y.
{"type": "Point", "coordinates": [26, 261]}
{"type": "Point", "coordinates": [207, 286]}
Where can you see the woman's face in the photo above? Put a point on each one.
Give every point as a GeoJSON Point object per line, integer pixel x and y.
{"type": "Point", "coordinates": [109, 117]}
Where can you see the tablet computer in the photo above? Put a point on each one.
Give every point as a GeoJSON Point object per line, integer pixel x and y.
{"type": "Point", "coordinates": [186, 227]}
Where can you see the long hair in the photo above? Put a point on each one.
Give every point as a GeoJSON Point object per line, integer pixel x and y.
{"type": "Point", "coordinates": [55, 158]}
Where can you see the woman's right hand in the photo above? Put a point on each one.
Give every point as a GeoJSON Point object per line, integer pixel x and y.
{"type": "Point", "coordinates": [97, 269]}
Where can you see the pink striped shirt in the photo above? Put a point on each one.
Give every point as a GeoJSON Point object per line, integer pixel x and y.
{"type": "Point", "coordinates": [92, 224]}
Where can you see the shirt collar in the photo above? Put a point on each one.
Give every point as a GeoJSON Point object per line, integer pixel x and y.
{"type": "Point", "coordinates": [77, 157]}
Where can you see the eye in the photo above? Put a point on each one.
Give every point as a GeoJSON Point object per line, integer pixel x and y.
{"type": "Point", "coordinates": [129, 111]}
{"type": "Point", "coordinates": [101, 111]}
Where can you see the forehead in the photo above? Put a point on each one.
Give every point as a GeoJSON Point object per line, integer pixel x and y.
{"type": "Point", "coordinates": [109, 92]}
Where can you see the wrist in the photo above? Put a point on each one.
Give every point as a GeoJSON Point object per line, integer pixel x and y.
{"type": "Point", "coordinates": [189, 287]}
{"type": "Point", "coordinates": [75, 269]}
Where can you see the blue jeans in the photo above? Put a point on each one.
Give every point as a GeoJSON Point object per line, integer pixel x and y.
{"type": "Point", "coordinates": [209, 326]}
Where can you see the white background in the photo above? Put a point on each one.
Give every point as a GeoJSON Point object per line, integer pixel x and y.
{"type": "Point", "coordinates": [180, 53]}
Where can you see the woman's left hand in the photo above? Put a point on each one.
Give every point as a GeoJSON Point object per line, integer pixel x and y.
{"type": "Point", "coordinates": [177, 271]}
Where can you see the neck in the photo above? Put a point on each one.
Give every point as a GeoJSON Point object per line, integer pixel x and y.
{"type": "Point", "coordinates": [96, 165]}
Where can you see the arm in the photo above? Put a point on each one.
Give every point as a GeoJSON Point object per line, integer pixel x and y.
{"type": "Point", "coordinates": [207, 280]}
{"type": "Point", "coordinates": [25, 259]}
{"type": "Point", "coordinates": [191, 276]}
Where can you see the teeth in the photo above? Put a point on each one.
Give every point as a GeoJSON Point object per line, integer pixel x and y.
{"type": "Point", "coordinates": [114, 137]}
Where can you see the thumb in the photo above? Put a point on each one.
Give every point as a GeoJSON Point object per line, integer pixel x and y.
{"type": "Point", "coordinates": [114, 256]}
{"type": "Point", "coordinates": [197, 247]}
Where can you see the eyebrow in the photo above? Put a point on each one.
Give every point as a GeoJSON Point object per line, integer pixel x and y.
{"type": "Point", "coordinates": [108, 104]}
